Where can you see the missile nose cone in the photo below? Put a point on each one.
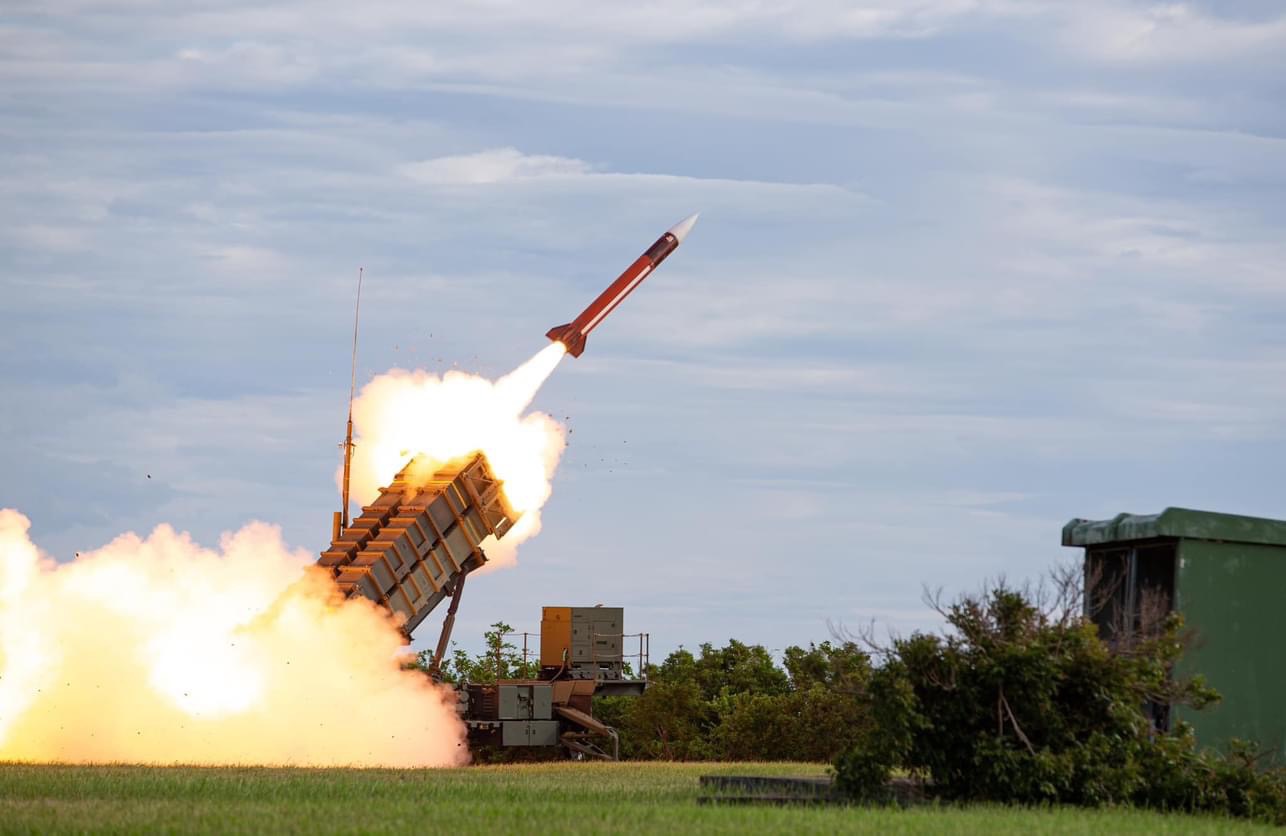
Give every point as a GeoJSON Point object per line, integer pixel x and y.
{"type": "Point", "coordinates": [683, 227]}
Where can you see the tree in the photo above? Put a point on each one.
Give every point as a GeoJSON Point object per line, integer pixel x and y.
{"type": "Point", "coordinates": [738, 669]}
{"type": "Point", "coordinates": [501, 660]}
{"type": "Point", "coordinates": [1023, 703]}
{"type": "Point", "coordinates": [817, 716]}
{"type": "Point", "coordinates": [736, 703]}
{"type": "Point", "coordinates": [845, 666]}
{"type": "Point", "coordinates": [670, 721]}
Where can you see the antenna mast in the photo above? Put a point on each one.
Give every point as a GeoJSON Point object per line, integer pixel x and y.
{"type": "Point", "coordinates": [342, 521]}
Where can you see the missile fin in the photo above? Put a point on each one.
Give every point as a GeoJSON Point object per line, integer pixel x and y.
{"type": "Point", "coordinates": [572, 339]}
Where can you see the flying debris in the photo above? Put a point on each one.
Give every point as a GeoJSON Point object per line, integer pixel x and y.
{"type": "Point", "coordinates": [573, 334]}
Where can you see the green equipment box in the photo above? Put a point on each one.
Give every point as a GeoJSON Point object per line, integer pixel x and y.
{"type": "Point", "coordinates": [1226, 575]}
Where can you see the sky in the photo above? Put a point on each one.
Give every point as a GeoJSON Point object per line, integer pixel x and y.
{"type": "Point", "coordinates": [965, 270]}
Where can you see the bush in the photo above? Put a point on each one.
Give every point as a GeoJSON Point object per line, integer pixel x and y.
{"type": "Point", "coordinates": [811, 724]}
{"type": "Point", "coordinates": [1021, 703]}
{"type": "Point", "coordinates": [736, 703]}
{"type": "Point", "coordinates": [670, 721]}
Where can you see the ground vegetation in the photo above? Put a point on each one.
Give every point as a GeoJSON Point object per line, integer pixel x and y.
{"type": "Point", "coordinates": [1022, 701]}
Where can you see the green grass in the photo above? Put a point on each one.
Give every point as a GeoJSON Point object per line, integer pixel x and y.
{"type": "Point", "coordinates": [552, 798]}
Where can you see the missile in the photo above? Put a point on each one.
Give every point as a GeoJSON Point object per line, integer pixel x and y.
{"type": "Point", "coordinates": [573, 334]}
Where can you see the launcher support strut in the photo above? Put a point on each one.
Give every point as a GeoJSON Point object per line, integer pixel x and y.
{"type": "Point", "coordinates": [435, 669]}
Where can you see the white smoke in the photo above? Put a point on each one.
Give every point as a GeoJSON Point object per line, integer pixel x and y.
{"type": "Point", "coordinates": [401, 414]}
{"type": "Point", "coordinates": [155, 650]}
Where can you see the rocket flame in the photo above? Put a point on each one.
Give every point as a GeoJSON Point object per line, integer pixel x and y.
{"type": "Point", "coordinates": [400, 414]}
{"type": "Point", "coordinates": [156, 650]}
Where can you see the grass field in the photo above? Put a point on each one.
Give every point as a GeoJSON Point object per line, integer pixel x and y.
{"type": "Point", "coordinates": [554, 798]}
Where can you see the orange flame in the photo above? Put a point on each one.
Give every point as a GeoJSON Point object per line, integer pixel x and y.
{"type": "Point", "coordinates": [401, 414]}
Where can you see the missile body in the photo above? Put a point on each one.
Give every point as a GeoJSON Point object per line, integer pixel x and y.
{"type": "Point", "coordinates": [573, 334]}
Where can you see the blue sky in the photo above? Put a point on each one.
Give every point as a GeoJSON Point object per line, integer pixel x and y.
{"type": "Point", "coordinates": [965, 269]}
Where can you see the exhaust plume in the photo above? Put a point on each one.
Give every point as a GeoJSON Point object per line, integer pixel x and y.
{"type": "Point", "coordinates": [155, 650]}
{"type": "Point", "coordinates": [402, 413]}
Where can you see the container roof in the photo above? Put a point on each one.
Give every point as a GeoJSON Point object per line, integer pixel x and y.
{"type": "Point", "coordinates": [1177, 523]}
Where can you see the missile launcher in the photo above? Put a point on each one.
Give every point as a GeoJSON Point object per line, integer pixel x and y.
{"type": "Point", "coordinates": [413, 546]}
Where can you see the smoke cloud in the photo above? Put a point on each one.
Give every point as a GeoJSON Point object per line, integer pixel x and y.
{"type": "Point", "coordinates": [402, 413]}
{"type": "Point", "coordinates": [155, 650]}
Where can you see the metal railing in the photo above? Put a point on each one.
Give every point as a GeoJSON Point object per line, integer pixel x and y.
{"type": "Point", "coordinates": [641, 659]}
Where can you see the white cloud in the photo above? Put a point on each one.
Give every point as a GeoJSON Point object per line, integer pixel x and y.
{"type": "Point", "coordinates": [1170, 33]}
{"type": "Point", "coordinates": [510, 166]}
{"type": "Point", "coordinates": [1045, 286]}
{"type": "Point", "coordinates": [248, 262]}
{"type": "Point", "coordinates": [660, 21]}
{"type": "Point", "coordinates": [1080, 233]}
{"type": "Point", "coordinates": [497, 165]}
{"type": "Point", "coordinates": [243, 62]}
{"type": "Point", "coordinates": [49, 237]}
{"type": "Point", "coordinates": [513, 44]}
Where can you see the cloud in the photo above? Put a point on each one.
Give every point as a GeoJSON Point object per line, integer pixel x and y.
{"type": "Point", "coordinates": [496, 165]}
{"type": "Point", "coordinates": [1080, 233]}
{"type": "Point", "coordinates": [513, 48]}
{"type": "Point", "coordinates": [248, 262]}
{"type": "Point", "coordinates": [504, 166]}
{"type": "Point", "coordinates": [661, 21]}
{"type": "Point", "coordinates": [248, 62]}
{"type": "Point", "coordinates": [1167, 33]}
{"type": "Point", "coordinates": [49, 237]}
{"type": "Point", "coordinates": [952, 253]}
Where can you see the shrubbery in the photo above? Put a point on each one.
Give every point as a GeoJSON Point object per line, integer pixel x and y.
{"type": "Point", "coordinates": [1020, 702]}
{"type": "Point", "coordinates": [730, 703]}
{"type": "Point", "coordinates": [1025, 704]}
{"type": "Point", "coordinates": [736, 703]}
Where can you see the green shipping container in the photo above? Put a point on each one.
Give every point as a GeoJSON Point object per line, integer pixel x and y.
{"type": "Point", "coordinates": [1227, 575]}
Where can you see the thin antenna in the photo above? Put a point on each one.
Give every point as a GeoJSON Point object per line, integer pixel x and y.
{"type": "Point", "coordinates": [357, 314]}
{"type": "Point", "coordinates": [352, 390]}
